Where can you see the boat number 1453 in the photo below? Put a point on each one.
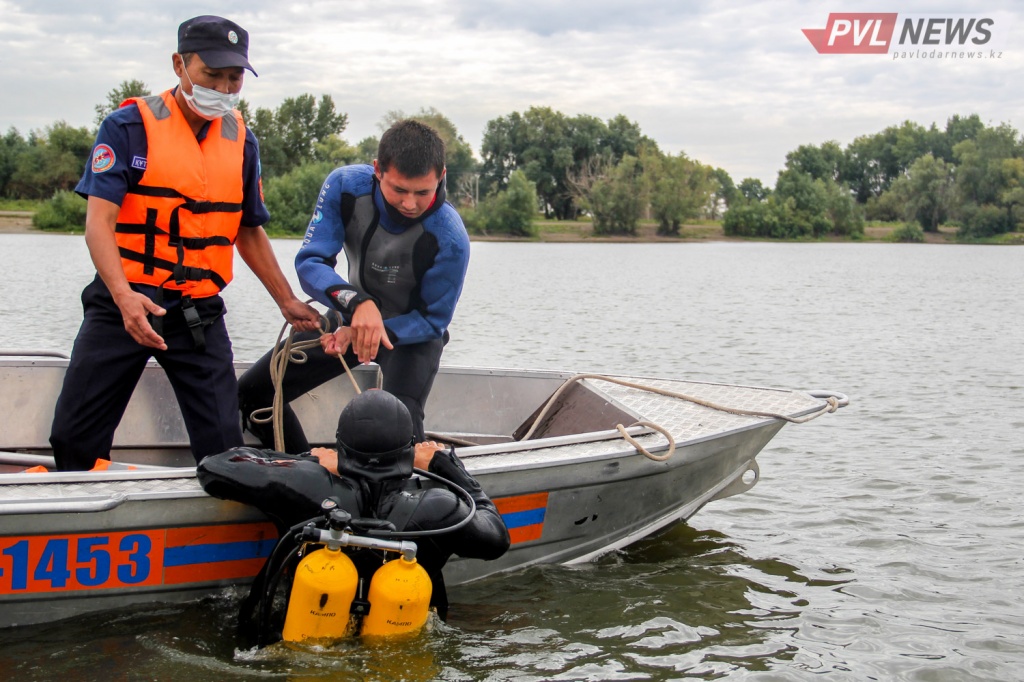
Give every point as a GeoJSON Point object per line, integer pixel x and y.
{"type": "Point", "coordinates": [44, 564]}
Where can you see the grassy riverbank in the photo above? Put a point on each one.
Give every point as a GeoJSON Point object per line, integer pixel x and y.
{"type": "Point", "coordinates": [20, 221]}
{"type": "Point", "coordinates": [647, 231]}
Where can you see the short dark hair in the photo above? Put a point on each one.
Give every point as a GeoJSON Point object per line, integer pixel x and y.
{"type": "Point", "coordinates": [412, 148]}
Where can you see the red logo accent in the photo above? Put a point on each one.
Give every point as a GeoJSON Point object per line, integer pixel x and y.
{"type": "Point", "coordinates": [854, 33]}
{"type": "Point", "coordinates": [102, 158]}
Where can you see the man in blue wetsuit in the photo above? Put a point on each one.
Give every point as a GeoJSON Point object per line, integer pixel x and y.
{"type": "Point", "coordinates": [173, 187]}
{"type": "Point", "coordinates": [407, 253]}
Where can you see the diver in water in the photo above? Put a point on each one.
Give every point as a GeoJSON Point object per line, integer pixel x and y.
{"type": "Point", "coordinates": [368, 476]}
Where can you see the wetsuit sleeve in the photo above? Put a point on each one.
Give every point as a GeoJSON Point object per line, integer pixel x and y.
{"type": "Point", "coordinates": [485, 537]}
{"type": "Point", "coordinates": [325, 238]}
{"type": "Point", "coordinates": [441, 284]}
{"type": "Point", "coordinates": [254, 210]}
{"type": "Point", "coordinates": [287, 488]}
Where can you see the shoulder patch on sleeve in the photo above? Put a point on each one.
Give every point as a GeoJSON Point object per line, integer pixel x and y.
{"type": "Point", "coordinates": [102, 158]}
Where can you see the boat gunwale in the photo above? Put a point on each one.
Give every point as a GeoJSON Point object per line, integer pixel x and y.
{"type": "Point", "coordinates": [11, 505]}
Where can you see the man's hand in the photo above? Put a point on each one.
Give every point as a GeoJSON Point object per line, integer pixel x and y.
{"type": "Point", "coordinates": [425, 452]}
{"type": "Point", "coordinates": [368, 332]}
{"type": "Point", "coordinates": [100, 225]}
{"type": "Point", "coordinates": [338, 342]}
{"type": "Point", "coordinates": [134, 307]}
{"type": "Point", "coordinates": [328, 458]}
{"type": "Point", "coordinates": [254, 247]}
{"type": "Point", "coordinates": [302, 316]}
{"type": "Point", "coordinates": [421, 460]}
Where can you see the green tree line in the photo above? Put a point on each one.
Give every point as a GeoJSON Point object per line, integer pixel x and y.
{"type": "Point", "coordinates": [544, 162]}
{"type": "Point", "coordinates": [967, 174]}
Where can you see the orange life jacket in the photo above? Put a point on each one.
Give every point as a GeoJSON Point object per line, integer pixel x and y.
{"type": "Point", "coordinates": [177, 227]}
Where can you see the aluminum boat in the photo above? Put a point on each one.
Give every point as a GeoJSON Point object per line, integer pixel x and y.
{"type": "Point", "coordinates": [578, 466]}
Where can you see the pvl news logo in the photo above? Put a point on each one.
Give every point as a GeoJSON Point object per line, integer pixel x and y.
{"type": "Point", "coordinates": [908, 36]}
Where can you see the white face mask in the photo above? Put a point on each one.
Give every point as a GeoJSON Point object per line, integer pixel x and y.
{"type": "Point", "coordinates": [207, 103]}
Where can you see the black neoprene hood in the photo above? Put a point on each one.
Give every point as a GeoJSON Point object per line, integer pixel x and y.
{"type": "Point", "coordinates": [375, 437]}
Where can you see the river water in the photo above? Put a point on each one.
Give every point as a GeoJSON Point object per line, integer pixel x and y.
{"type": "Point", "coordinates": [882, 542]}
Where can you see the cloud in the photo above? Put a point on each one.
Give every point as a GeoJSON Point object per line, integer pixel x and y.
{"type": "Point", "coordinates": [547, 18]}
{"type": "Point", "coordinates": [732, 84]}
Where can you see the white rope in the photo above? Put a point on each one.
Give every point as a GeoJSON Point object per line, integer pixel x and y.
{"type": "Point", "coordinates": [641, 449]}
{"type": "Point", "coordinates": [292, 352]}
{"type": "Point", "coordinates": [831, 405]}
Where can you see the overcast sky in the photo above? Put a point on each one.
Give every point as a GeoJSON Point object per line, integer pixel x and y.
{"type": "Point", "coordinates": [731, 84]}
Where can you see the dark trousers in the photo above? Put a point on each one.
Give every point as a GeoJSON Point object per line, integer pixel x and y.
{"type": "Point", "coordinates": [408, 375]}
{"type": "Point", "coordinates": [106, 364]}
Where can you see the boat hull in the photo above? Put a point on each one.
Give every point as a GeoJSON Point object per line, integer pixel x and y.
{"type": "Point", "coordinates": [78, 542]}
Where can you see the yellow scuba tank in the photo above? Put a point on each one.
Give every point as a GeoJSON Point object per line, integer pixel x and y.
{"type": "Point", "coordinates": [399, 599]}
{"type": "Point", "coordinates": [321, 597]}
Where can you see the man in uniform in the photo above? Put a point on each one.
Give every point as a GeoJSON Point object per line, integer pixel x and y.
{"type": "Point", "coordinates": [407, 253]}
{"type": "Point", "coordinates": [172, 187]}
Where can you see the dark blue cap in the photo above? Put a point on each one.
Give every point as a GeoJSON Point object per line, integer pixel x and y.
{"type": "Point", "coordinates": [218, 42]}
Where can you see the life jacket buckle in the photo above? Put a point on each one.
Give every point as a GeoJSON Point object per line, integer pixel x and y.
{"type": "Point", "coordinates": [195, 323]}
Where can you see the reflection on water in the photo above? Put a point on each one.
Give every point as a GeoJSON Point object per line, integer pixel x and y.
{"type": "Point", "coordinates": [687, 602]}
{"type": "Point", "coordinates": [883, 542]}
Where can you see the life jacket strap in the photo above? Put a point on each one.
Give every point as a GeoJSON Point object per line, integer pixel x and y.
{"type": "Point", "coordinates": [195, 323]}
{"type": "Point", "coordinates": [179, 273]}
{"type": "Point", "coordinates": [193, 205]}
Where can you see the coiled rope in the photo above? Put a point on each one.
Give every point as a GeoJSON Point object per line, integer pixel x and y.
{"type": "Point", "coordinates": [291, 351]}
{"type": "Point", "coordinates": [832, 403]}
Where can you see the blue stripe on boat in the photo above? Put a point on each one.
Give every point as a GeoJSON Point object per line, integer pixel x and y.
{"type": "Point", "coordinates": [208, 554]}
{"type": "Point", "coordinates": [524, 518]}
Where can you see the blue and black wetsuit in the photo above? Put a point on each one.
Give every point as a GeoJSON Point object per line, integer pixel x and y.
{"type": "Point", "coordinates": [414, 272]}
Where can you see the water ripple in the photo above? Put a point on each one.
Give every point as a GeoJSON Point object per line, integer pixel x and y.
{"type": "Point", "coordinates": [884, 542]}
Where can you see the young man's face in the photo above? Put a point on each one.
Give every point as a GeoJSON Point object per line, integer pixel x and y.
{"type": "Point", "coordinates": [411, 196]}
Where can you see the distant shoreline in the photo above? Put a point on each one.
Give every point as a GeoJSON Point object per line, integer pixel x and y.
{"type": "Point", "coordinates": [580, 232]}
{"type": "Point", "coordinates": [16, 222]}
{"type": "Point", "coordinates": [553, 232]}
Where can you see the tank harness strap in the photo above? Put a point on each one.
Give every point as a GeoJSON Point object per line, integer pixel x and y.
{"type": "Point", "coordinates": [404, 508]}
